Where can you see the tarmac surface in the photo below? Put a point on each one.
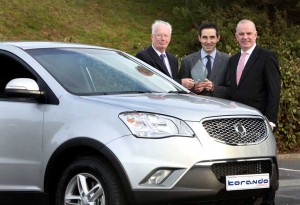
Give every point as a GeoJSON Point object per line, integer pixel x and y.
{"type": "Point", "coordinates": [289, 179]}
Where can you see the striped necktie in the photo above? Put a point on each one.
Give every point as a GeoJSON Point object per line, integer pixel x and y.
{"type": "Point", "coordinates": [162, 57]}
{"type": "Point", "coordinates": [208, 66]}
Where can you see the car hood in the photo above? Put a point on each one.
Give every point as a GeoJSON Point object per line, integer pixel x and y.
{"type": "Point", "coordinates": [187, 107]}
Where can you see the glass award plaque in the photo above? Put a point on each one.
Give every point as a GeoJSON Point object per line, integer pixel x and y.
{"type": "Point", "coordinates": [199, 72]}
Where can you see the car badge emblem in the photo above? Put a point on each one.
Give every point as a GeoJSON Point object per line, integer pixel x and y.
{"type": "Point", "coordinates": [240, 130]}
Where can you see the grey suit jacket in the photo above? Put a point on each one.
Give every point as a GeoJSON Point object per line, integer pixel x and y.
{"type": "Point", "coordinates": [218, 74]}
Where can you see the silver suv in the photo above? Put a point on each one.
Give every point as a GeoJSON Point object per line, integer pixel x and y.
{"type": "Point", "coordinates": [89, 125]}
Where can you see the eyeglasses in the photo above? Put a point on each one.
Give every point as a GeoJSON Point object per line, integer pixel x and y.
{"type": "Point", "coordinates": [162, 35]}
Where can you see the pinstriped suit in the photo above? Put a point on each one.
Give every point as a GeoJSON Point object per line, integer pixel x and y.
{"type": "Point", "coordinates": [217, 76]}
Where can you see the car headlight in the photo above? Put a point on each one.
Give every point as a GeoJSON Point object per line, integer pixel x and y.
{"type": "Point", "coordinates": [148, 125]}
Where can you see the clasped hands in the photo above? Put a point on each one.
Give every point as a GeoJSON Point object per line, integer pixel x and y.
{"type": "Point", "coordinates": [198, 86]}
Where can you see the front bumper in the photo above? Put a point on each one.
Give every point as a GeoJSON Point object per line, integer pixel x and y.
{"type": "Point", "coordinates": [204, 183]}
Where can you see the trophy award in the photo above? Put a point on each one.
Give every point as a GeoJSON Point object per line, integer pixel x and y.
{"type": "Point", "coordinates": [199, 72]}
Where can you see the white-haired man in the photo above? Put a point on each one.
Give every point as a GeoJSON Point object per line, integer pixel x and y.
{"type": "Point", "coordinates": [156, 54]}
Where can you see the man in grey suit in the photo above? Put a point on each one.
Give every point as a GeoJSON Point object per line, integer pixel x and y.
{"type": "Point", "coordinates": [215, 61]}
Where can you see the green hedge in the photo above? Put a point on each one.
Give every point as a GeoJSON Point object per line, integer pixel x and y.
{"type": "Point", "coordinates": [274, 33]}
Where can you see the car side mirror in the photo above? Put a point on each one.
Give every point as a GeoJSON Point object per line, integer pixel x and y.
{"type": "Point", "coordinates": [23, 88]}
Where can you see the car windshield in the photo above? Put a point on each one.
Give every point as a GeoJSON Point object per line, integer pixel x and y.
{"type": "Point", "coordinates": [86, 71]}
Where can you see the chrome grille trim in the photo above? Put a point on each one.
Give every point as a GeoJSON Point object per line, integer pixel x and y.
{"type": "Point", "coordinates": [210, 163]}
{"type": "Point", "coordinates": [236, 130]}
{"type": "Point", "coordinates": [221, 170]}
{"type": "Point", "coordinates": [224, 168]}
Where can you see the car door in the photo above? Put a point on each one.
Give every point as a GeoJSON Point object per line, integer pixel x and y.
{"type": "Point", "coordinates": [21, 132]}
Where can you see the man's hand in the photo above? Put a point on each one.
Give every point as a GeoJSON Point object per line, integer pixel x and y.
{"type": "Point", "coordinates": [272, 125]}
{"type": "Point", "coordinates": [199, 87]}
{"type": "Point", "coordinates": [187, 83]}
{"type": "Point", "coordinates": [209, 86]}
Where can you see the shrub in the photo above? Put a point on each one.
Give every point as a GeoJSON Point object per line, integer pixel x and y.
{"type": "Point", "coordinates": [274, 34]}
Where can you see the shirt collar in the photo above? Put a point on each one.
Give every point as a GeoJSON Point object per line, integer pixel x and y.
{"type": "Point", "coordinates": [158, 52]}
{"type": "Point", "coordinates": [250, 50]}
{"type": "Point", "coordinates": [212, 54]}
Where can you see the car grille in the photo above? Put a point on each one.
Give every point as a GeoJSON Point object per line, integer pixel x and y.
{"type": "Point", "coordinates": [221, 170]}
{"type": "Point", "coordinates": [236, 131]}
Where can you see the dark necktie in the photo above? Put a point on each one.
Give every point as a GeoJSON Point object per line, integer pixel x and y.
{"type": "Point", "coordinates": [208, 66]}
{"type": "Point", "coordinates": [162, 57]}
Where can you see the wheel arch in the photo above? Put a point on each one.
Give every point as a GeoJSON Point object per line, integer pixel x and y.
{"type": "Point", "coordinates": [82, 147]}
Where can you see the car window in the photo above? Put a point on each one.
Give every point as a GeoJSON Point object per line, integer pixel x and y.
{"type": "Point", "coordinates": [96, 71]}
{"type": "Point", "coordinates": [10, 68]}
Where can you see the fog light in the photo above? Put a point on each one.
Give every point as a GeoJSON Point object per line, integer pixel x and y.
{"type": "Point", "coordinates": [159, 176]}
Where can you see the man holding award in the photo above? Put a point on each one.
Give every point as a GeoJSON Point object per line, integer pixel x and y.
{"type": "Point", "coordinates": [208, 66]}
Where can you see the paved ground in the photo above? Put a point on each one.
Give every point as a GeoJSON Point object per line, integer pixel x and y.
{"type": "Point", "coordinates": [289, 179]}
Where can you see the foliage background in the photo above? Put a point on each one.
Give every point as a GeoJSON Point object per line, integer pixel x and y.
{"type": "Point", "coordinates": [125, 25]}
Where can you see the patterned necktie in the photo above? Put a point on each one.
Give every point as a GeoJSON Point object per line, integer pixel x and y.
{"type": "Point", "coordinates": [240, 67]}
{"type": "Point", "coordinates": [208, 66]}
{"type": "Point", "coordinates": [162, 57]}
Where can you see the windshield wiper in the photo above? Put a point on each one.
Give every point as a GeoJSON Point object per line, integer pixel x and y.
{"type": "Point", "coordinates": [179, 92]}
{"type": "Point", "coordinates": [117, 92]}
{"type": "Point", "coordinates": [132, 91]}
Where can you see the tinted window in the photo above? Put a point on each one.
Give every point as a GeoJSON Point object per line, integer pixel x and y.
{"type": "Point", "coordinates": [96, 71]}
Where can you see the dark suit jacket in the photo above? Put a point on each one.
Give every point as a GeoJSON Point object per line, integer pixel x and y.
{"type": "Point", "coordinates": [218, 74]}
{"type": "Point", "coordinates": [149, 56]}
{"type": "Point", "coordinates": [259, 85]}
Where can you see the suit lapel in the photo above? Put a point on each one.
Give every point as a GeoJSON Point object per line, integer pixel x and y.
{"type": "Point", "coordinates": [216, 66]}
{"type": "Point", "coordinates": [197, 57]}
{"type": "Point", "coordinates": [194, 60]}
{"type": "Point", "coordinates": [173, 65]}
{"type": "Point", "coordinates": [159, 61]}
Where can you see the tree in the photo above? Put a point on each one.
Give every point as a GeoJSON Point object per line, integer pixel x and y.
{"type": "Point", "coordinates": [276, 32]}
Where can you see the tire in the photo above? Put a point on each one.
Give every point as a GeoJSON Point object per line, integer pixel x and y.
{"type": "Point", "coordinates": [267, 199]}
{"type": "Point", "coordinates": [89, 181]}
